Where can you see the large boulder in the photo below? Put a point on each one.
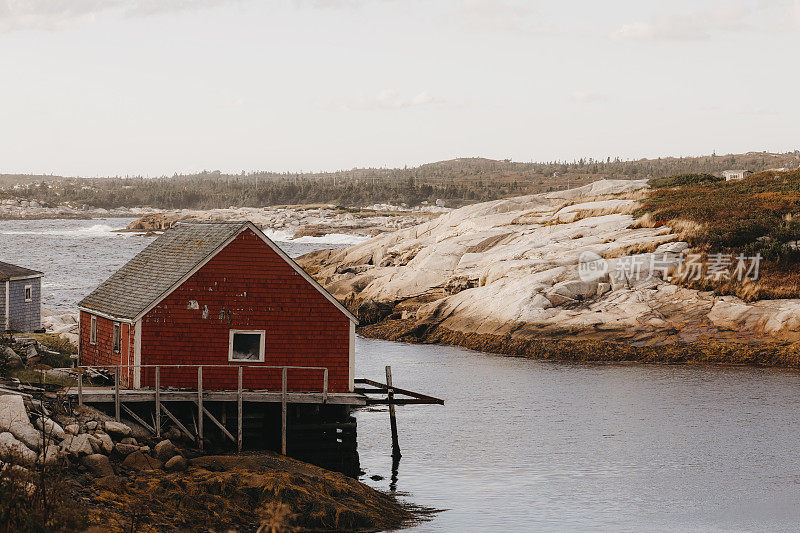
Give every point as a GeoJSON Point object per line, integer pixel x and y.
{"type": "Point", "coordinates": [117, 429]}
{"type": "Point", "coordinates": [10, 357]}
{"type": "Point", "coordinates": [165, 450]}
{"type": "Point", "coordinates": [176, 464]}
{"type": "Point", "coordinates": [28, 434]}
{"type": "Point", "coordinates": [12, 411]}
{"type": "Point", "coordinates": [105, 441]}
{"type": "Point", "coordinates": [14, 419]}
{"type": "Point", "coordinates": [140, 462]}
{"type": "Point", "coordinates": [50, 455]}
{"type": "Point", "coordinates": [98, 464]}
{"type": "Point", "coordinates": [126, 449]}
{"type": "Point", "coordinates": [13, 450]}
{"type": "Point", "coordinates": [50, 427]}
{"type": "Point", "coordinates": [78, 445]}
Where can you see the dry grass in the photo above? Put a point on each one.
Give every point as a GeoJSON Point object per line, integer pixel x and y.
{"type": "Point", "coordinates": [757, 215]}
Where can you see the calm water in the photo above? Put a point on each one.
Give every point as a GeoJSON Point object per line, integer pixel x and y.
{"type": "Point", "coordinates": [533, 446]}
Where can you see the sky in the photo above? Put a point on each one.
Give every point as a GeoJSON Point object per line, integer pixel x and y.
{"type": "Point", "coordinates": [155, 87]}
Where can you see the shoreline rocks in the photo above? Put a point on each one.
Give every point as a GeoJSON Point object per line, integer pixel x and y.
{"type": "Point", "coordinates": [517, 269]}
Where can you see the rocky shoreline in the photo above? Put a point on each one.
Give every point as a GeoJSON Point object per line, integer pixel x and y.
{"type": "Point", "coordinates": [11, 209]}
{"type": "Point", "coordinates": [73, 470]}
{"type": "Point", "coordinates": [566, 349]}
{"type": "Point", "coordinates": [506, 276]}
{"type": "Point", "coordinates": [295, 222]}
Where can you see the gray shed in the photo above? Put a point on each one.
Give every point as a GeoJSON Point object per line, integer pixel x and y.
{"type": "Point", "coordinates": [20, 298]}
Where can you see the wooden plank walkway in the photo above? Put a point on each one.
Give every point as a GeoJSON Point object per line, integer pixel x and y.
{"type": "Point", "coordinates": [109, 394]}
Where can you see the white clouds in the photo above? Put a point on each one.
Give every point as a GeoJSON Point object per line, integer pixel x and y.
{"type": "Point", "coordinates": [388, 99]}
{"type": "Point", "coordinates": [503, 16]}
{"type": "Point", "coordinates": [55, 14]}
{"type": "Point", "coordinates": [761, 15]}
{"type": "Point", "coordinates": [687, 26]}
{"type": "Point", "coordinates": [584, 97]}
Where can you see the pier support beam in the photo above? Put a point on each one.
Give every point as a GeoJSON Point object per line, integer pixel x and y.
{"type": "Point", "coordinates": [392, 419]}
{"type": "Point", "coordinates": [239, 412]}
{"type": "Point", "coordinates": [200, 407]}
{"type": "Point", "coordinates": [283, 411]}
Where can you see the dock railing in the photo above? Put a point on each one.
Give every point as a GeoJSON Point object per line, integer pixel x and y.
{"type": "Point", "coordinates": [202, 411]}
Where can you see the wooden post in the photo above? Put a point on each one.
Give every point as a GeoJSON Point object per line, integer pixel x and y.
{"type": "Point", "coordinates": [283, 411]}
{"type": "Point", "coordinates": [392, 419]}
{"type": "Point", "coordinates": [200, 407]}
{"type": "Point", "coordinates": [80, 387]}
{"type": "Point", "coordinates": [239, 411]}
{"type": "Point", "coordinates": [116, 393]}
{"type": "Point", "coordinates": [158, 402]}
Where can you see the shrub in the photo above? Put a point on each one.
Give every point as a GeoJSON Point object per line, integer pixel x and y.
{"type": "Point", "coordinates": [683, 179]}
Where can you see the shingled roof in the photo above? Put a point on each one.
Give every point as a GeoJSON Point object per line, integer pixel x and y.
{"type": "Point", "coordinates": [159, 269]}
{"type": "Point", "coordinates": [9, 271]}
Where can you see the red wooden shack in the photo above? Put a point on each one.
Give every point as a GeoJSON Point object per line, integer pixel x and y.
{"type": "Point", "coordinates": [218, 293]}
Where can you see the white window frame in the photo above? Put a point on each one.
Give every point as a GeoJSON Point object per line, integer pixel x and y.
{"type": "Point", "coordinates": [93, 330]}
{"type": "Point", "coordinates": [26, 292]}
{"type": "Point", "coordinates": [262, 345]}
{"type": "Point", "coordinates": [118, 347]}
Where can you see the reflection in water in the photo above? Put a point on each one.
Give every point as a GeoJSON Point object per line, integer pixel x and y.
{"type": "Point", "coordinates": [395, 469]}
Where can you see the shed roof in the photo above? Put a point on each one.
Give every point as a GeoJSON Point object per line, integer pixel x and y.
{"type": "Point", "coordinates": [165, 263]}
{"type": "Point", "coordinates": [9, 271]}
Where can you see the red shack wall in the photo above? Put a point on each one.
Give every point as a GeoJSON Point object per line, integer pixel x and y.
{"type": "Point", "coordinates": [102, 353]}
{"type": "Point", "coordinates": [247, 286]}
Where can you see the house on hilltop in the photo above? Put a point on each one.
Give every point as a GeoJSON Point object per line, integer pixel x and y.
{"type": "Point", "coordinates": [730, 175]}
{"type": "Point", "coordinates": [218, 293]}
{"type": "Point", "coordinates": [20, 298]}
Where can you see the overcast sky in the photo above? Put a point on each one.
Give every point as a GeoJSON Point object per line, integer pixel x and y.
{"type": "Point", "coordinates": [103, 87]}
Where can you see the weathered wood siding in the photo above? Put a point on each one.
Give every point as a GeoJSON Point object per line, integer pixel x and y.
{"type": "Point", "coordinates": [247, 286]}
{"type": "Point", "coordinates": [24, 316]}
{"type": "Point", "coordinates": [102, 353]}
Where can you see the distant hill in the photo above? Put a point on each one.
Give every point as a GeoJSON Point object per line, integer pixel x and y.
{"type": "Point", "coordinates": [457, 182]}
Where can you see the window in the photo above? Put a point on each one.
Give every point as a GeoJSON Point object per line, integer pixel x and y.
{"type": "Point", "coordinates": [28, 293]}
{"type": "Point", "coordinates": [116, 337]}
{"type": "Point", "coordinates": [93, 330]}
{"type": "Point", "coordinates": [246, 346]}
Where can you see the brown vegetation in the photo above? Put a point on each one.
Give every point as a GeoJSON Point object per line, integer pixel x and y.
{"type": "Point", "coordinates": [245, 493]}
{"type": "Point", "coordinates": [756, 215]}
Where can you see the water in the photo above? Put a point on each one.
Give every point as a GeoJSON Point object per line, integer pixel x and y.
{"type": "Point", "coordinates": [76, 255]}
{"type": "Point", "coordinates": [526, 445]}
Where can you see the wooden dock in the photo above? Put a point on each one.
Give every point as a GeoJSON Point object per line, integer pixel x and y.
{"type": "Point", "coordinates": [326, 413]}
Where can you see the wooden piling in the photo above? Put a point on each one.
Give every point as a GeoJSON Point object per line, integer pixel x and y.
{"type": "Point", "coordinates": [392, 419]}
{"type": "Point", "coordinates": [158, 402]}
{"type": "Point", "coordinates": [200, 407]}
{"type": "Point", "coordinates": [283, 411]}
{"type": "Point", "coordinates": [239, 412]}
{"type": "Point", "coordinates": [116, 394]}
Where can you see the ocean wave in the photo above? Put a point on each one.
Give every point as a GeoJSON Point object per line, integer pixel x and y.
{"type": "Point", "coordinates": [96, 230]}
{"type": "Point", "coordinates": [332, 238]}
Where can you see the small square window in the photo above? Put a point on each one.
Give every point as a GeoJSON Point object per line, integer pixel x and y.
{"type": "Point", "coordinates": [93, 330]}
{"type": "Point", "coordinates": [28, 293]}
{"type": "Point", "coordinates": [116, 337]}
{"type": "Point", "coordinates": [246, 346]}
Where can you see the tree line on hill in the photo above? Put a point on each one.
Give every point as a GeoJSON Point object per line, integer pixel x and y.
{"type": "Point", "coordinates": [457, 182]}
